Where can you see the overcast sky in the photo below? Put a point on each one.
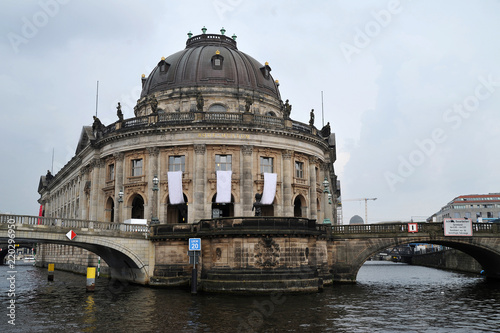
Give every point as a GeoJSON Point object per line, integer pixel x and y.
{"type": "Point", "coordinates": [411, 88]}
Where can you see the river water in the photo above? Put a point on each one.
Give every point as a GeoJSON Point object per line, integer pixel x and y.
{"type": "Point", "coordinates": [389, 297]}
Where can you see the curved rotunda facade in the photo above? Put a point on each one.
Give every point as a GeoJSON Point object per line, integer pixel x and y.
{"type": "Point", "coordinates": [211, 146]}
{"type": "Point", "coordinates": [207, 108]}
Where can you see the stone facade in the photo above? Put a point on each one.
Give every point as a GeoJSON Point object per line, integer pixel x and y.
{"type": "Point", "coordinates": [207, 103]}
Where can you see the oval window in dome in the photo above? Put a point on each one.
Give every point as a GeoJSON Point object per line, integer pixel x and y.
{"type": "Point", "coordinates": [217, 108]}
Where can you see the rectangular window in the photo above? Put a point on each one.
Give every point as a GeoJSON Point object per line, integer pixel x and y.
{"type": "Point", "coordinates": [467, 215]}
{"type": "Point", "coordinates": [111, 172]}
{"type": "Point", "coordinates": [223, 162]}
{"type": "Point", "coordinates": [176, 163]}
{"type": "Point", "coordinates": [266, 164]}
{"type": "Point", "coordinates": [299, 169]}
{"type": "Point", "coordinates": [456, 215]}
{"type": "Point", "coordinates": [137, 167]}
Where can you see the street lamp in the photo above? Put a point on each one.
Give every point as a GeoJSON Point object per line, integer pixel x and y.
{"type": "Point", "coordinates": [326, 184]}
{"type": "Point", "coordinates": [120, 196]}
{"type": "Point", "coordinates": [156, 181]}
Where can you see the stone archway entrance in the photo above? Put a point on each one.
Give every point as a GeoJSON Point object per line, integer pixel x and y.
{"type": "Point", "coordinates": [137, 207]}
{"type": "Point", "coordinates": [222, 209]}
{"type": "Point", "coordinates": [177, 213]}
{"type": "Point", "coordinates": [298, 205]}
{"type": "Point", "coordinates": [110, 210]}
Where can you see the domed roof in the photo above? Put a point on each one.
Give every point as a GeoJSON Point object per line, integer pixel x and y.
{"type": "Point", "coordinates": [210, 60]}
{"type": "Point", "coordinates": [356, 219]}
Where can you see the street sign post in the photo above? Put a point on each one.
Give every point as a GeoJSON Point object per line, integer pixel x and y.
{"type": "Point", "coordinates": [457, 227]}
{"type": "Point", "coordinates": [194, 244]}
{"type": "Point", "coordinates": [194, 254]}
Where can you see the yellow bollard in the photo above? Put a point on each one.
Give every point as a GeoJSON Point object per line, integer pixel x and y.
{"type": "Point", "coordinates": [51, 272]}
{"type": "Point", "coordinates": [90, 278]}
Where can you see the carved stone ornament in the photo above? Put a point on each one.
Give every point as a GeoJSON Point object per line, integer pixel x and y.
{"type": "Point", "coordinates": [247, 150]}
{"type": "Point", "coordinates": [287, 154]}
{"type": "Point", "coordinates": [153, 151]}
{"type": "Point", "coordinates": [267, 253]}
{"type": "Point", "coordinates": [200, 149]}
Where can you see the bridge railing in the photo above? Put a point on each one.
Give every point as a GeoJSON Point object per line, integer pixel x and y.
{"type": "Point", "coordinates": [53, 222]}
{"type": "Point", "coordinates": [403, 227]}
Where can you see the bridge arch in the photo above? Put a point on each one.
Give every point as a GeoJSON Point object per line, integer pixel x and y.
{"type": "Point", "coordinates": [125, 263]}
{"type": "Point", "coordinates": [350, 255]}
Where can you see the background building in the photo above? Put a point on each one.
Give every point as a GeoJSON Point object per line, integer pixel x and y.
{"type": "Point", "coordinates": [478, 207]}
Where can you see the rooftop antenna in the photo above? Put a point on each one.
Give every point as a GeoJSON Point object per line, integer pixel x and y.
{"type": "Point", "coordinates": [322, 110]}
{"type": "Point", "coordinates": [96, 98]}
{"type": "Point", "coordinates": [52, 168]}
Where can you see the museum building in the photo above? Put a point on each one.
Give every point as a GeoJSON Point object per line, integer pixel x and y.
{"type": "Point", "coordinates": [211, 139]}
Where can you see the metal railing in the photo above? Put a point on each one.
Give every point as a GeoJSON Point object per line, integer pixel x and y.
{"type": "Point", "coordinates": [403, 227]}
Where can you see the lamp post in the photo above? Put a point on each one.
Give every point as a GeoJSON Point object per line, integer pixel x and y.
{"type": "Point", "coordinates": [154, 219]}
{"type": "Point", "coordinates": [120, 200]}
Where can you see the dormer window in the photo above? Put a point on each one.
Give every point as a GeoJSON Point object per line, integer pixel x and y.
{"type": "Point", "coordinates": [217, 60]}
{"type": "Point", "coordinates": [266, 71]}
{"type": "Point", "coordinates": [163, 66]}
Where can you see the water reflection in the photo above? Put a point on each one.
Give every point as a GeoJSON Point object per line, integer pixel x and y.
{"type": "Point", "coordinates": [387, 298]}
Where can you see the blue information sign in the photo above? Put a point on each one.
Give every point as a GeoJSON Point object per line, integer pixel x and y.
{"type": "Point", "coordinates": [194, 244]}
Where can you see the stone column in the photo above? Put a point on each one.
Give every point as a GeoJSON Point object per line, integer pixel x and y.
{"type": "Point", "coordinates": [152, 210]}
{"type": "Point", "coordinates": [313, 211]}
{"type": "Point", "coordinates": [247, 194]}
{"type": "Point", "coordinates": [119, 186]}
{"type": "Point", "coordinates": [84, 177]}
{"type": "Point", "coordinates": [94, 189]}
{"type": "Point", "coordinates": [327, 208]}
{"type": "Point", "coordinates": [101, 180]}
{"type": "Point", "coordinates": [287, 183]}
{"type": "Point", "coordinates": [199, 184]}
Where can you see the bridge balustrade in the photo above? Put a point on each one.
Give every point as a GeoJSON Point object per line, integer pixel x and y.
{"type": "Point", "coordinates": [57, 222]}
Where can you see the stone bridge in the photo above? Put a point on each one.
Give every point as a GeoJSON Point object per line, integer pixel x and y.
{"type": "Point", "coordinates": [352, 245]}
{"type": "Point", "coordinates": [129, 250]}
{"type": "Point", "coordinates": [125, 248]}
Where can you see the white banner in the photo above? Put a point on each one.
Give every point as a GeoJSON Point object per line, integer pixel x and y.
{"type": "Point", "coordinates": [223, 187]}
{"type": "Point", "coordinates": [175, 194]}
{"type": "Point", "coordinates": [270, 180]}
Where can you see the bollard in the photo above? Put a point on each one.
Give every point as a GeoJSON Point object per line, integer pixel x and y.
{"type": "Point", "coordinates": [51, 272]}
{"type": "Point", "coordinates": [90, 278]}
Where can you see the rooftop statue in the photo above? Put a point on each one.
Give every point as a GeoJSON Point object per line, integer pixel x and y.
{"type": "Point", "coordinates": [287, 109]}
{"type": "Point", "coordinates": [119, 112]}
{"type": "Point", "coordinates": [326, 131]}
{"type": "Point", "coordinates": [311, 119]}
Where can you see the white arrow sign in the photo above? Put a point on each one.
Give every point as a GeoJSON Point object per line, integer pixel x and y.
{"type": "Point", "coordinates": [71, 235]}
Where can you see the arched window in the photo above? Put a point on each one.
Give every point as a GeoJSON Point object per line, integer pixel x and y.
{"type": "Point", "coordinates": [298, 205]}
{"type": "Point", "coordinates": [110, 210]}
{"type": "Point", "coordinates": [217, 108]}
{"type": "Point", "coordinates": [177, 213]}
{"type": "Point", "coordinates": [137, 207]}
{"type": "Point", "coordinates": [270, 114]}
